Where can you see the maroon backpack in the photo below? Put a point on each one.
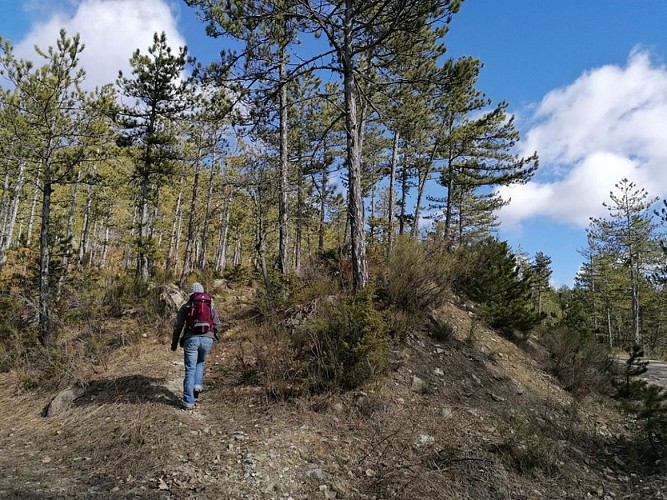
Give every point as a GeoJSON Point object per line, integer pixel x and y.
{"type": "Point", "coordinates": [200, 315]}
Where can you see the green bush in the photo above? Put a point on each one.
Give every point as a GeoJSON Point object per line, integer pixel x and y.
{"type": "Point", "coordinates": [651, 412]}
{"type": "Point", "coordinates": [626, 383]}
{"type": "Point", "coordinates": [492, 279]}
{"type": "Point", "coordinates": [578, 360]}
{"type": "Point", "coordinates": [647, 403]}
{"type": "Point", "coordinates": [344, 344]}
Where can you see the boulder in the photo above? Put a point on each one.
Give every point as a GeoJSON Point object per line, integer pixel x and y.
{"type": "Point", "coordinates": [172, 297]}
{"type": "Point", "coordinates": [64, 400]}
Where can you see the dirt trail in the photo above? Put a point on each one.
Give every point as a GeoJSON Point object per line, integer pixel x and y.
{"type": "Point", "coordinates": [127, 436]}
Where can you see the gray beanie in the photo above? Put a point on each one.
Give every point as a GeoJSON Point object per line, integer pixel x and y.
{"type": "Point", "coordinates": [196, 288]}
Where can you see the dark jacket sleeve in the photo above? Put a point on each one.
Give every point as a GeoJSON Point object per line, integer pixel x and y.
{"type": "Point", "coordinates": [179, 324]}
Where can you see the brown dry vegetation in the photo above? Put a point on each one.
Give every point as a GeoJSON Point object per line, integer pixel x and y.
{"type": "Point", "coordinates": [488, 422]}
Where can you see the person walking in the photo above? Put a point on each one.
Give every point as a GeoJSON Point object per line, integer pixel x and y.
{"type": "Point", "coordinates": [195, 329]}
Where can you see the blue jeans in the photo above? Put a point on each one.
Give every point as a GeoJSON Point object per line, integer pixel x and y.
{"type": "Point", "coordinates": [195, 351]}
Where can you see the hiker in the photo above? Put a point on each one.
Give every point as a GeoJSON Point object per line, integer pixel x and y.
{"type": "Point", "coordinates": [199, 323]}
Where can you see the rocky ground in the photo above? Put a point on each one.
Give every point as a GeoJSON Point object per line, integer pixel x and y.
{"type": "Point", "coordinates": [473, 417]}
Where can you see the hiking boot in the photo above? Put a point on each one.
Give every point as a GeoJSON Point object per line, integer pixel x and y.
{"type": "Point", "coordinates": [198, 389]}
{"type": "Point", "coordinates": [185, 406]}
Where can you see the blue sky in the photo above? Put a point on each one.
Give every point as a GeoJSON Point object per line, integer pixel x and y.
{"type": "Point", "coordinates": [586, 79]}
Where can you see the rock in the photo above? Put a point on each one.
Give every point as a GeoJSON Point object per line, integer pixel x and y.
{"type": "Point", "coordinates": [328, 493]}
{"type": "Point", "coordinates": [172, 297]}
{"type": "Point", "coordinates": [270, 488]}
{"type": "Point", "coordinates": [496, 398]}
{"type": "Point", "coordinates": [316, 474]}
{"type": "Point", "coordinates": [438, 372]}
{"type": "Point", "coordinates": [424, 440]}
{"type": "Point", "coordinates": [64, 399]}
{"type": "Point", "coordinates": [220, 283]}
{"type": "Point", "coordinates": [417, 384]}
{"type": "Point", "coordinates": [338, 408]}
{"type": "Point", "coordinates": [398, 358]}
{"type": "Point", "coordinates": [447, 412]}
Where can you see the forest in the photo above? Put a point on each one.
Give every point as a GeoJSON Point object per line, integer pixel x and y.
{"type": "Point", "coordinates": [333, 150]}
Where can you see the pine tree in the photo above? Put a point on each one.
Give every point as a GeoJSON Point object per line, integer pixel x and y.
{"type": "Point", "coordinates": [50, 108]}
{"type": "Point", "coordinates": [540, 276]}
{"type": "Point", "coordinates": [160, 95]}
{"type": "Point", "coordinates": [496, 283]}
{"type": "Point", "coordinates": [359, 35]}
{"type": "Point", "coordinates": [475, 151]}
{"type": "Point", "coordinates": [629, 234]}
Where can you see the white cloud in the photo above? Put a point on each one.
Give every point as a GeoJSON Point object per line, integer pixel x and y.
{"type": "Point", "coordinates": [573, 199]}
{"type": "Point", "coordinates": [609, 124]}
{"type": "Point", "coordinates": [110, 29]}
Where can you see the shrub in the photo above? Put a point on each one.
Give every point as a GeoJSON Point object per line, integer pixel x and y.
{"type": "Point", "coordinates": [418, 276]}
{"type": "Point", "coordinates": [576, 358]}
{"type": "Point", "coordinates": [344, 344]}
{"type": "Point", "coordinates": [647, 403]}
{"type": "Point", "coordinates": [651, 412]}
{"type": "Point", "coordinates": [18, 330]}
{"type": "Point", "coordinates": [627, 386]}
{"type": "Point", "coordinates": [527, 448]}
{"type": "Point", "coordinates": [492, 279]}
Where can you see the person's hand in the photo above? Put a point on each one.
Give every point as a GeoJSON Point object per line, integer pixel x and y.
{"type": "Point", "coordinates": [174, 347]}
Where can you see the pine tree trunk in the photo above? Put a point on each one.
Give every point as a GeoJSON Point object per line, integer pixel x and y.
{"type": "Point", "coordinates": [207, 217]}
{"type": "Point", "coordinates": [4, 203]}
{"type": "Point", "coordinates": [390, 201]}
{"type": "Point", "coordinates": [355, 201]}
{"type": "Point", "coordinates": [609, 329]}
{"type": "Point", "coordinates": [173, 237]}
{"type": "Point", "coordinates": [85, 229]}
{"type": "Point", "coordinates": [423, 178]}
{"type": "Point", "coordinates": [404, 196]}
{"type": "Point", "coordinates": [11, 208]}
{"type": "Point", "coordinates": [33, 208]}
{"type": "Point", "coordinates": [634, 272]}
{"type": "Point", "coordinates": [44, 262]}
{"type": "Point", "coordinates": [284, 182]}
{"type": "Point", "coordinates": [105, 248]}
{"type": "Point", "coordinates": [221, 251]}
{"type": "Point", "coordinates": [323, 207]}
{"type": "Point", "coordinates": [299, 227]}
{"type": "Point", "coordinates": [143, 232]}
{"type": "Point", "coordinates": [69, 235]}
{"type": "Point", "coordinates": [127, 258]}
{"type": "Point", "coordinates": [238, 258]}
{"type": "Point", "coordinates": [189, 242]}
{"type": "Point", "coordinates": [449, 203]}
